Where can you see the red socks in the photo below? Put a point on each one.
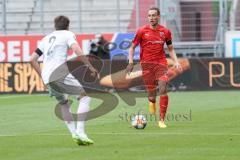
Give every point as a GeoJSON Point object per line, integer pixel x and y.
{"type": "Point", "coordinates": [163, 106]}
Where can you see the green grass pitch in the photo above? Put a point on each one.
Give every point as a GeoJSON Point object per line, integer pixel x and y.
{"type": "Point", "coordinates": [207, 128]}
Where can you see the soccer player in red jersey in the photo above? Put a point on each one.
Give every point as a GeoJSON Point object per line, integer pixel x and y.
{"type": "Point", "coordinates": [152, 38]}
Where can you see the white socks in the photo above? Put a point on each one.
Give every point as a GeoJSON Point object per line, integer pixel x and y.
{"type": "Point", "coordinates": [83, 108]}
{"type": "Point", "coordinates": [68, 119]}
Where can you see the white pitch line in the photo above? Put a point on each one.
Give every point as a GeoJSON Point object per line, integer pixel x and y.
{"type": "Point", "coordinates": [142, 133]}
{"type": "Point", "coordinates": [17, 96]}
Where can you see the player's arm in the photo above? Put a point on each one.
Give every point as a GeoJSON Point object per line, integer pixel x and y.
{"type": "Point", "coordinates": [130, 56]}
{"type": "Point", "coordinates": [173, 55]}
{"type": "Point", "coordinates": [136, 40]}
{"type": "Point", "coordinates": [171, 50]}
{"type": "Point", "coordinates": [131, 53]}
{"type": "Point", "coordinates": [77, 49]}
{"type": "Point", "coordinates": [34, 61]}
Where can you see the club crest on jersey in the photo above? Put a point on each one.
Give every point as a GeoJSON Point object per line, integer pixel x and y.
{"type": "Point", "coordinates": [161, 34]}
{"type": "Point", "coordinates": [146, 34]}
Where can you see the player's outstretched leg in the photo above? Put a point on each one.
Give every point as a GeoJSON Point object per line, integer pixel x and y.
{"type": "Point", "coordinates": [65, 105]}
{"type": "Point", "coordinates": [163, 103]}
{"type": "Point", "coordinates": [152, 92]}
{"type": "Point", "coordinates": [81, 137]}
{"type": "Point", "coordinates": [163, 110]}
{"type": "Point", "coordinates": [152, 107]}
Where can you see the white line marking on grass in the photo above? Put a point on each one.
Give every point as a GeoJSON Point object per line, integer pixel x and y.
{"type": "Point", "coordinates": [142, 133]}
{"type": "Point", "coordinates": [17, 96]}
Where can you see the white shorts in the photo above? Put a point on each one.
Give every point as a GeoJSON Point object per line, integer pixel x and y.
{"type": "Point", "coordinates": [63, 87]}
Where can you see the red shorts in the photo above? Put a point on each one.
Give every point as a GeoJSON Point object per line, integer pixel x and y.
{"type": "Point", "coordinates": [152, 73]}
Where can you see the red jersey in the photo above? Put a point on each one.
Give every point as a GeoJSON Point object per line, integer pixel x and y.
{"type": "Point", "coordinates": [152, 43]}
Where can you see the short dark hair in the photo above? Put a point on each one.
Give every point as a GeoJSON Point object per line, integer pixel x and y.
{"type": "Point", "coordinates": [156, 9]}
{"type": "Point", "coordinates": [61, 22]}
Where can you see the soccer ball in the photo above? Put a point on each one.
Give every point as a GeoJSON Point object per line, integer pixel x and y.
{"type": "Point", "coordinates": [139, 122]}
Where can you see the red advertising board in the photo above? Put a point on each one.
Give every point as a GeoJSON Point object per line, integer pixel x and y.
{"type": "Point", "coordinates": [20, 48]}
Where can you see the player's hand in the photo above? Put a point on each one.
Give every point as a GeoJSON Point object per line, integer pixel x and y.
{"type": "Point", "coordinates": [94, 72]}
{"type": "Point", "coordinates": [129, 68]}
{"type": "Point", "coordinates": [178, 66]}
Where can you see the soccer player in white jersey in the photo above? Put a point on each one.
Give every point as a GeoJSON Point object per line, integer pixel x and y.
{"type": "Point", "coordinates": [54, 48]}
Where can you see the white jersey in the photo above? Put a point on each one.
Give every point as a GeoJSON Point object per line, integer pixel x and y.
{"type": "Point", "coordinates": [55, 47]}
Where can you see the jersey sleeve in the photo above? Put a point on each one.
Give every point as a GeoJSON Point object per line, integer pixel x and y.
{"type": "Point", "coordinates": [168, 36]}
{"type": "Point", "coordinates": [71, 39]}
{"type": "Point", "coordinates": [40, 48]}
{"type": "Point", "coordinates": [138, 37]}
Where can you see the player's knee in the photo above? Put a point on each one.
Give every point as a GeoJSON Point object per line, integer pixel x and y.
{"type": "Point", "coordinates": [81, 95]}
{"type": "Point", "coordinates": [61, 99]}
{"type": "Point", "coordinates": [163, 90]}
{"type": "Point", "coordinates": [162, 87]}
{"type": "Point", "coordinates": [152, 99]}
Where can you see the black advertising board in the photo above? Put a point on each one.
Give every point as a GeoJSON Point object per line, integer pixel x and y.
{"type": "Point", "coordinates": [198, 75]}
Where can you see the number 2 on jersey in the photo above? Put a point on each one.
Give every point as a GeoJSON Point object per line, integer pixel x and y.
{"type": "Point", "coordinates": [51, 42]}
